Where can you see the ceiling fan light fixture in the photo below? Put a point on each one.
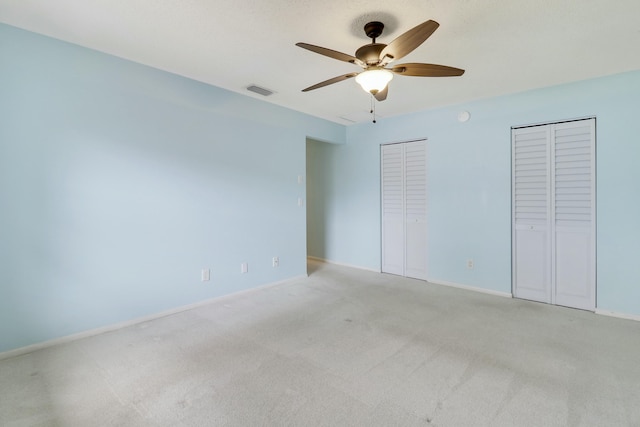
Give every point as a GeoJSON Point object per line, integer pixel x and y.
{"type": "Point", "coordinates": [374, 81]}
{"type": "Point", "coordinates": [374, 57]}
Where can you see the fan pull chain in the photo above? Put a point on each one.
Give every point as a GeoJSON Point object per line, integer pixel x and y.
{"type": "Point", "coordinates": [373, 108]}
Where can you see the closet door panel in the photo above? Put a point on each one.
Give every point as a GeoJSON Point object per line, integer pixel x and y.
{"type": "Point", "coordinates": [573, 282]}
{"type": "Point", "coordinates": [531, 213]}
{"type": "Point", "coordinates": [416, 258]}
{"type": "Point", "coordinates": [392, 249]}
{"type": "Point", "coordinates": [416, 210]}
{"type": "Point", "coordinates": [392, 194]}
{"type": "Point", "coordinates": [574, 213]}
{"type": "Point", "coordinates": [532, 261]}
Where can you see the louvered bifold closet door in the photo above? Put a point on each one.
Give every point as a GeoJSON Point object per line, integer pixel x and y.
{"type": "Point", "coordinates": [416, 209]}
{"type": "Point", "coordinates": [531, 213]}
{"type": "Point", "coordinates": [404, 209]}
{"type": "Point", "coordinates": [392, 194]}
{"type": "Point", "coordinates": [573, 244]}
{"type": "Point", "coordinates": [554, 213]}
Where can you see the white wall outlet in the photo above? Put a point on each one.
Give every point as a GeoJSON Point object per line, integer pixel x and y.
{"type": "Point", "coordinates": [275, 261]}
{"type": "Point", "coordinates": [469, 264]}
{"type": "Point", "coordinates": [244, 267]}
{"type": "Point", "coordinates": [205, 275]}
{"type": "Point", "coordinates": [300, 201]}
{"type": "Point", "coordinates": [300, 179]}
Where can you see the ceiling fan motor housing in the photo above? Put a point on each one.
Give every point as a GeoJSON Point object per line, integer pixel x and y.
{"type": "Point", "coordinates": [370, 53]}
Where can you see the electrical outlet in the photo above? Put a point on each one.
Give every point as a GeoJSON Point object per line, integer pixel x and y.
{"type": "Point", "coordinates": [244, 267]}
{"type": "Point", "coordinates": [205, 275]}
{"type": "Point", "coordinates": [275, 261]}
{"type": "Point", "coordinates": [469, 264]}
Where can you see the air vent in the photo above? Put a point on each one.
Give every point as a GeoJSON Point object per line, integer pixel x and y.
{"type": "Point", "coordinates": [259, 90]}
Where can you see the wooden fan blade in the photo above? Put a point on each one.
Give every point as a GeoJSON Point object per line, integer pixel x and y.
{"type": "Point", "coordinates": [426, 70]}
{"type": "Point", "coordinates": [330, 81]}
{"type": "Point", "coordinates": [408, 41]}
{"type": "Point", "coordinates": [382, 95]}
{"type": "Point", "coordinates": [331, 53]}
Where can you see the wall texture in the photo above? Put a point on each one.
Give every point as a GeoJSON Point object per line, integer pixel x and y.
{"type": "Point", "coordinates": [119, 183]}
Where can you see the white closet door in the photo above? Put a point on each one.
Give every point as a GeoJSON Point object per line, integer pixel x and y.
{"type": "Point", "coordinates": [574, 214]}
{"type": "Point", "coordinates": [416, 210]}
{"type": "Point", "coordinates": [531, 214]}
{"type": "Point", "coordinates": [404, 209]}
{"type": "Point", "coordinates": [554, 252]}
{"type": "Point", "coordinates": [392, 209]}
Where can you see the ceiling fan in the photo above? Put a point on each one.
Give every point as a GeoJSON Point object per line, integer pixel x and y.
{"type": "Point", "coordinates": [375, 57]}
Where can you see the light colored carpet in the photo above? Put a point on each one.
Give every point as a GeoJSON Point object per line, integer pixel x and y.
{"type": "Point", "coordinates": [343, 347]}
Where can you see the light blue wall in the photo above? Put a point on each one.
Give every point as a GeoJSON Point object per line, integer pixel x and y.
{"type": "Point", "coordinates": [469, 185]}
{"type": "Point", "coordinates": [119, 182]}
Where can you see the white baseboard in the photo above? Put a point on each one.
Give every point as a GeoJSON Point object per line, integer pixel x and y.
{"type": "Point", "coordinates": [470, 288]}
{"type": "Point", "coordinates": [618, 315]}
{"type": "Point", "coordinates": [120, 325]}
{"type": "Point", "coordinates": [342, 264]}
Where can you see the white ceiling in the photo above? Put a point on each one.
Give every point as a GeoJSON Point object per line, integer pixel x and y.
{"type": "Point", "coordinates": [505, 46]}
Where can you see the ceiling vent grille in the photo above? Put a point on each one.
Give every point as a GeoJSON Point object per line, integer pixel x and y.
{"type": "Point", "coordinates": [259, 90]}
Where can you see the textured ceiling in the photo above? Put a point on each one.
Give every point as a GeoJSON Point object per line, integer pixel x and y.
{"type": "Point", "coordinates": [505, 46]}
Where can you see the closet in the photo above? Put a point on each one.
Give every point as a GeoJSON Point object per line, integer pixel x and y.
{"type": "Point", "coordinates": [554, 213]}
{"type": "Point", "coordinates": [404, 209]}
